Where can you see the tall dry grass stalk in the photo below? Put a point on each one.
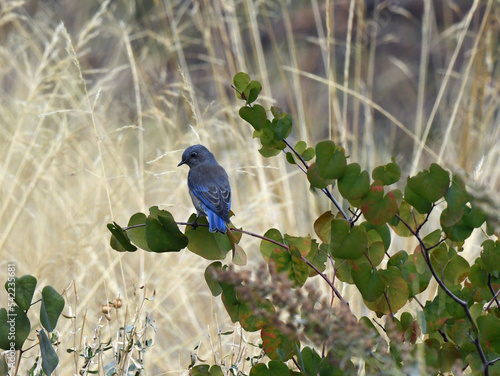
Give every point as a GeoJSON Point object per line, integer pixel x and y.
{"type": "Point", "coordinates": [99, 98]}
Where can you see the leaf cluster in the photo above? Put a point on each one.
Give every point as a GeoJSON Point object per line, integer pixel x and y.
{"type": "Point", "coordinates": [460, 327]}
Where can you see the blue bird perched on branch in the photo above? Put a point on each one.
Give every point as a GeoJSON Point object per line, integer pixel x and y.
{"type": "Point", "coordinates": [208, 187]}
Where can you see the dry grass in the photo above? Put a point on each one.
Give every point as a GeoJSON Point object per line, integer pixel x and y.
{"type": "Point", "coordinates": [99, 98]}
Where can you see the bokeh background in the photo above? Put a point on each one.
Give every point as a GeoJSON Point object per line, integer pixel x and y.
{"type": "Point", "coordinates": [100, 98]}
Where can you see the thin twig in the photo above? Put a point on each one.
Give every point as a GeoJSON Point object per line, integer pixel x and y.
{"type": "Point", "coordinates": [462, 303]}
{"type": "Point", "coordinates": [324, 190]}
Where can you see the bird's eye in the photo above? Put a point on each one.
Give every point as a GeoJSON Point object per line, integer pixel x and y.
{"type": "Point", "coordinates": [194, 154]}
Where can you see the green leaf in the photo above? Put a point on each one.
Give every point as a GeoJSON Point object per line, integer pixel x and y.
{"type": "Point", "coordinates": [282, 127]}
{"type": "Point", "coordinates": [245, 312]}
{"type": "Point", "coordinates": [417, 281]}
{"type": "Point", "coordinates": [16, 322]}
{"type": "Point", "coordinates": [474, 217]}
{"type": "Point", "coordinates": [376, 250]}
{"type": "Point", "coordinates": [119, 240]}
{"type": "Point", "coordinates": [309, 361]}
{"type": "Point", "coordinates": [396, 290]}
{"type": "Point", "coordinates": [322, 226]}
{"type": "Point", "coordinates": [330, 159]}
{"type": "Point", "coordinates": [377, 208]}
{"type": "Point", "coordinates": [138, 234]}
{"type": "Point", "coordinates": [354, 184]}
{"type": "Point", "coordinates": [266, 247]}
{"type": "Point", "coordinates": [315, 178]}
{"type": "Point", "coordinates": [216, 370]}
{"type": "Point", "coordinates": [50, 360]}
{"type": "Point", "coordinates": [308, 154]}
{"type": "Point", "coordinates": [211, 273]}
{"type": "Point", "coordinates": [290, 262]}
{"type": "Point", "coordinates": [434, 316]}
{"type": "Point", "coordinates": [270, 151]}
{"type": "Point", "coordinates": [276, 368]}
{"type": "Point", "coordinates": [410, 217]}
{"type": "Point", "coordinates": [368, 282]}
{"type": "Point", "coordinates": [51, 308]}
{"type": "Point", "coordinates": [200, 370]}
{"type": "Point", "coordinates": [432, 239]}
{"type": "Point", "coordinates": [252, 91]}
{"type": "Point", "coordinates": [273, 339]}
{"type": "Point", "coordinates": [418, 202]}
{"type": "Point", "coordinates": [317, 257]}
{"type": "Point", "coordinates": [491, 257]}
{"type": "Point", "coordinates": [430, 184]}
{"type": "Point", "coordinates": [459, 231]}
{"type": "Point", "coordinates": [489, 332]}
{"type": "Point", "coordinates": [22, 289]}
{"type": "Point", "coordinates": [300, 147]}
{"type": "Point", "coordinates": [211, 246]}
{"type": "Point", "coordinates": [347, 243]}
{"type": "Point", "coordinates": [456, 197]}
{"type": "Point", "coordinates": [255, 115]}
{"type": "Point", "coordinates": [290, 158]}
{"type": "Point", "coordinates": [382, 230]}
{"type": "Point", "coordinates": [162, 233]}
{"type": "Point", "coordinates": [456, 270]}
{"type": "Point", "coordinates": [239, 255]}
{"type": "Point", "coordinates": [240, 81]}
{"type": "Point", "coordinates": [447, 356]}
{"type": "Point", "coordinates": [387, 174]}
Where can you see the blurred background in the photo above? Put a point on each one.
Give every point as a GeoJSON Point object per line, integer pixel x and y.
{"type": "Point", "coordinates": [100, 98]}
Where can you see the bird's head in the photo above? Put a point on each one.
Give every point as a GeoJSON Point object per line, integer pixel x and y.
{"type": "Point", "coordinates": [195, 155]}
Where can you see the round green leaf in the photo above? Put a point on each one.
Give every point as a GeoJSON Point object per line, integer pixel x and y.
{"type": "Point", "coordinates": [315, 178]}
{"type": "Point", "coordinates": [491, 257]}
{"type": "Point", "coordinates": [211, 278]}
{"type": "Point", "coordinates": [459, 231]}
{"type": "Point", "coordinates": [430, 184]}
{"type": "Point", "coordinates": [387, 174]}
{"type": "Point", "coordinates": [322, 226]}
{"type": "Point", "coordinates": [382, 230]}
{"type": "Point", "coordinates": [354, 184]}
{"type": "Point", "coordinates": [14, 328]}
{"type": "Point", "coordinates": [22, 289]}
{"type": "Point", "coordinates": [418, 202]}
{"type": "Point", "coordinates": [410, 217]}
{"type": "Point", "coordinates": [50, 360]}
{"type": "Point", "coordinates": [456, 270]}
{"type": "Point", "coordinates": [447, 356]}
{"type": "Point", "coordinates": [377, 208]}
{"type": "Point", "coordinates": [138, 234]}
{"type": "Point", "coordinates": [255, 115]}
{"type": "Point", "coordinates": [274, 339]}
{"type": "Point", "coordinates": [119, 239]}
{"type": "Point", "coordinates": [489, 332]}
{"type": "Point", "coordinates": [240, 81]}
{"type": "Point", "coordinates": [162, 233]}
{"type": "Point", "coordinates": [300, 147]}
{"type": "Point", "coordinates": [251, 91]}
{"type": "Point", "coordinates": [396, 290]}
{"type": "Point", "coordinates": [51, 308]}
{"type": "Point", "coordinates": [266, 247]}
{"type": "Point", "coordinates": [211, 246]}
{"type": "Point", "coordinates": [456, 197]}
{"type": "Point", "coordinates": [347, 243]}
{"type": "Point", "coordinates": [368, 281]}
{"type": "Point", "coordinates": [330, 159]}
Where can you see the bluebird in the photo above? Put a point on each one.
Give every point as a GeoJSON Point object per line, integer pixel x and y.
{"type": "Point", "coordinates": [208, 187]}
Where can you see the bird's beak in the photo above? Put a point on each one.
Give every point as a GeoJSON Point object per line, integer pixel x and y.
{"type": "Point", "coordinates": [180, 164]}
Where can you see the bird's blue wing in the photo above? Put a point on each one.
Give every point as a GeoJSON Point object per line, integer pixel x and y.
{"type": "Point", "coordinates": [214, 193]}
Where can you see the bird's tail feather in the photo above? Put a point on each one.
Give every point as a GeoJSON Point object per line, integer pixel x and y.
{"type": "Point", "coordinates": [216, 223]}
